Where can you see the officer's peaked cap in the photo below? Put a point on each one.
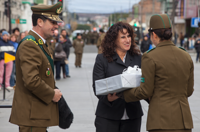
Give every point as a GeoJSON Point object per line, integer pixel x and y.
{"type": "Point", "coordinates": [160, 21]}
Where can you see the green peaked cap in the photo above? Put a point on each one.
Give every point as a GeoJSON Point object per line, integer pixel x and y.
{"type": "Point", "coordinates": [49, 11]}
{"type": "Point", "coordinates": [160, 21]}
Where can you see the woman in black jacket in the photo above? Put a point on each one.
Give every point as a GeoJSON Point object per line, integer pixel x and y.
{"type": "Point", "coordinates": [145, 44]}
{"type": "Point", "coordinates": [197, 47]}
{"type": "Point", "coordinates": [113, 114]}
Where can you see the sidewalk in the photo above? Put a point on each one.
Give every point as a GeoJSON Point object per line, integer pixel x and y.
{"type": "Point", "coordinates": [79, 95]}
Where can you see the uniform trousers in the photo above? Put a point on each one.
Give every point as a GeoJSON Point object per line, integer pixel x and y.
{"type": "Point", "coordinates": [9, 67]}
{"type": "Point", "coordinates": [107, 125]}
{"type": "Point", "coordinates": [32, 129]}
{"type": "Point", "coordinates": [78, 59]}
{"type": "Point", "coordinates": [184, 130]}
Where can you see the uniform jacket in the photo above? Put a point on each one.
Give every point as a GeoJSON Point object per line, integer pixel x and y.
{"type": "Point", "coordinates": [103, 69]}
{"type": "Point", "coordinates": [32, 102]}
{"type": "Point", "coordinates": [51, 44]}
{"type": "Point", "coordinates": [167, 78]}
{"type": "Point", "coordinates": [78, 46]}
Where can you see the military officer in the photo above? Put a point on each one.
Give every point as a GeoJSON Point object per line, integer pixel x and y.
{"type": "Point", "coordinates": [35, 100]}
{"type": "Point", "coordinates": [102, 35]}
{"type": "Point", "coordinates": [78, 45]}
{"type": "Point", "coordinates": [167, 79]}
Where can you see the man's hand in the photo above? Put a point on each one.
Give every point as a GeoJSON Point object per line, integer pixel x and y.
{"type": "Point", "coordinates": [111, 97]}
{"type": "Point", "coordinates": [57, 95]}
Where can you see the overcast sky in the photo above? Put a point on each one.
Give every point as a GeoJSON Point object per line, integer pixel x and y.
{"type": "Point", "coordinates": [99, 6]}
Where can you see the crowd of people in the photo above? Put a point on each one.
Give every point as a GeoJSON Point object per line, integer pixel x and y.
{"type": "Point", "coordinates": [59, 46]}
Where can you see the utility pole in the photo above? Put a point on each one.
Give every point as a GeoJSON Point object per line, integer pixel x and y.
{"type": "Point", "coordinates": [9, 16]}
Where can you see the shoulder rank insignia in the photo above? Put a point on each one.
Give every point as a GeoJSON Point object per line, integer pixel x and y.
{"type": "Point", "coordinates": [182, 48]}
{"type": "Point", "coordinates": [32, 41]}
{"type": "Point", "coordinates": [151, 49]}
{"type": "Point", "coordinates": [40, 41]}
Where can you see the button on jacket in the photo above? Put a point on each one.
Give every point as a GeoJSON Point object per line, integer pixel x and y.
{"type": "Point", "coordinates": [167, 78]}
{"type": "Point", "coordinates": [103, 69]}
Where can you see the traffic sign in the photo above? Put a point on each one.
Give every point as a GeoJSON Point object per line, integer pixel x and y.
{"type": "Point", "coordinates": [195, 21]}
{"type": "Point", "coordinates": [22, 21]}
{"type": "Point", "coordinates": [13, 21]}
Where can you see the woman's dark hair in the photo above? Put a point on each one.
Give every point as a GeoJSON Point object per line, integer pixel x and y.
{"type": "Point", "coordinates": [64, 36]}
{"type": "Point", "coordinates": [35, 17]}
{"type": "Point", "coordinates": [163, 34]}
{"type": "Point", "coordinates": [109, 45]}
{"type": "Point", "coordinates": [15, 29]}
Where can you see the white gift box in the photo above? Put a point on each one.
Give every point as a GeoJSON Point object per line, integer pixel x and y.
{"type": "Point", "coordinates": [128, 79]}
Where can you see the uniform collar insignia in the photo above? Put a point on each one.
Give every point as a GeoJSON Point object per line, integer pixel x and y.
{"type": "Point", "coordinates": [40, 41]}
{"type": "Point", "coordinates": [59, 10]}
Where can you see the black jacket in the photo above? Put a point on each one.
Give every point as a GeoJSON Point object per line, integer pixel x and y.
{"type": "Point", "coordinates": [197, 45]}
{"type": "Point", "coordinates": [145, 45]}
{"type": "Point", "coordinates": [103, 69]}
{"type": "Point", "coordinates": [66, 47]}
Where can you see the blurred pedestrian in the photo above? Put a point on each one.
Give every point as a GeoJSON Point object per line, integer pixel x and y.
{"type": "Point", "coordinates": [78, 45]}
{"type": "Point", "coordinates": [56, 34]}
{"type": "Point", "coordinates": [6, 47]}
{"type": "Point", "coordinates": [100, 40]}
{"type": "Point", "coordinates": [197, 47]}
{"type": "Point", "coordinates": [119, 52]}
{"type": "Point", "coordinates": [145, 44]}
{"type": "Point", "coordinates": [181, 38]}
{"type": "Point", "coordinates": [167, 80]}
{"type": "Point", "coordinates": [13, 40]}
{"type": "Point", "coordinates": [35, 99]}
{"type": "Point", "coordinates": [21, 36]}
{"type": "Point", "coordinates": [16, 32]}
{"type": "Point", "coordinates": [26, 32]}
{"type": "Point", "coordinates": [66, 43]}
{"type": "Point", "coordinates": [1, 32]}
{"type": "Point", "coordinates": [59, 58]}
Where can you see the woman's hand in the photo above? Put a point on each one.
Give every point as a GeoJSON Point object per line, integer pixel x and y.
{"type": "Point", "coordinates": [112, 97]}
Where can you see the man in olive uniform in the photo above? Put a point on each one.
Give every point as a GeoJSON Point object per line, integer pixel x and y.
{"type": "Point", "coordinates": [78, 45]}
{"type": "Point", "coordinates": [35, 100]}
{"type": "Point", "coordinates": [89, 37]}
{"type": "Point", "coordinates": [102, 35]}
{"type": "Point", "coordinates": [167, 80]}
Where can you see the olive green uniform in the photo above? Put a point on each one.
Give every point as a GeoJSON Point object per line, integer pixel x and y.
{"type": "Point", "coordinates": [167, 79]}
{"type": "Point", "coordinates": [78, 50]}
{"type": "Point", "coordinates": [33, 109]}
{"type": "Point", "coordinates": [100, 40]}
{"type": "Point", "coordinates": [51, 44]}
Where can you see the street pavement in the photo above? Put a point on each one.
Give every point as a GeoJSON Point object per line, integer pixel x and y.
{"type": "Point", "coordinates": [79, 95]}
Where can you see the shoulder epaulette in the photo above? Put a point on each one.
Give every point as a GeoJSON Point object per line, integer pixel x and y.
{"type": "Point", "coordinates": [151, 49]}
{"type": "Point", "coordinates": [182, 48]}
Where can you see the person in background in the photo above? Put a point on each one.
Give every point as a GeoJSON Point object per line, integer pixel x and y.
{"type": "Point", "coordinates": [13, 40]}
{"type": "Point", "coordinates": [66, 43]}
{"type": "Point", "coordinates": [145, 44]}
{"type": "Point", "coordinates": [1, 32]}
{"type": "Point", "coordinates": [26, 32]}
{"type": "Point", "coordinates": [78, 45]}
{"type": "Point", "coordinates": [21, 36]}
{"type": "Point", "coordinates": [6, 46]}
{"type": "Point", "coordinates": [100, 39]}
{"type": "Point", "coordinates": [119, 52]}
{"type": "Point", "coordinates": [59, 62]}
{"type": "Point", "coordinates": [56, 34]}
{"type": "Point", "coordinates": [181, 38]}
{"type": "Point", "coordinates": [16, 32]}
{"type": "Point", "coordinates": [64, 32]}
{"type": "Point", "coordinates": [197, 47]}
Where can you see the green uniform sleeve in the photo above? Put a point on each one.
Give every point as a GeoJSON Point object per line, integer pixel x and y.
{"type": "Point", "coordinates": [145, 90]}
{"type": "Point", "coordinates": [30, 63]}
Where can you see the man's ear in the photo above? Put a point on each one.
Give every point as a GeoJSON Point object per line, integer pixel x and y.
{"type": "Point", "coordinates": [154, 36]}
{"type": "Point", "coordinates": [40, 22]}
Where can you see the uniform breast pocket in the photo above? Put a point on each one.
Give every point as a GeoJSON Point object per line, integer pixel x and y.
{"type": "Point", "coordinates": [40, 110]}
